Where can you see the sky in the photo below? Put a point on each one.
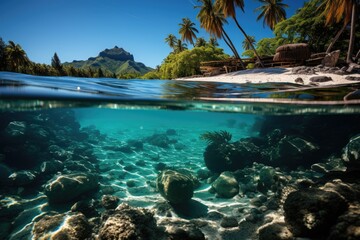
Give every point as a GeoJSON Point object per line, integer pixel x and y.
{"type": "Point", "coordinates": [79, 29]}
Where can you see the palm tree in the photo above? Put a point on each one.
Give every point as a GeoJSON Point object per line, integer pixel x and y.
{"type": "Point", "coordinates": [212, 20]}
{"type": "Point", "coordinates": [16, 56]}
{"type": "Point", "coordinates": [187, 30]}
{"type": "Point", "coordinates": [346, 11]}
{"type": "Point", "coordinates": [273, 11]}
{"type": "Point", "coordinates": [171, 40]}
{"type": "Point", "coordinates": [200, 42]}
{"type": "Point", "coordinates": [228, 7]}
{"type": "Point", "coordinates": [213, 42]}
{"type": "Point", "coordinates": [246, 44]}
{"type": "Point", "coordinates": [179, 46]}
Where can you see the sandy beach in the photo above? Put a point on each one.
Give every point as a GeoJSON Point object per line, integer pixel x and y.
{"type": "Point", "coordinates": [278, 75]}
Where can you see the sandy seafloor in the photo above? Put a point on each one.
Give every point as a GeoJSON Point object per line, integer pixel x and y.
{"type": "Point", "coordinates": [121, 126]}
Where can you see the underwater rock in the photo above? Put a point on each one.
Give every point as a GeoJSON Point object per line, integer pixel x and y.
{"type": "Point", "coordinates": [171, 132]}
{"type": "Point", "coordinates": [5, 228]}
{"type": "Point", "coordinates": [174, 186]}
{"type": "Point", "coordinates": [22, 178]}
{"type": "Point", "coordinates": [110, 202]}
{"type": "Point", "coordinates": [86, 207]}
{"type": "Point", "coordinates": [293, 151]}
{"type": "Point", "coordinates": [348, 225]}
{"type": "Point", "coordinates": [50, 167]}
{"type": "Point", "coordinates": [15, 129]}
{"type": "Point", "coordinates": [66, 188]}
{"type": "Point", "coordinates": [351, 153]}
{"type": "Point", "coordinates": [220, 157]}
{"type": "Point", "coordinates": [130, 223]}
{"type": "Point", "coordinates": [10, 207]}
{"type": "Point", "coordinates": [226, 185]}
{"type": "Point", "coordinates": [58, 153]}
{"type": "Point", "coordinates": [266, 179]}
{"type": "Point", "coordinates": [79, 166]}
{"type": "Point", "coordinates": [312, 212]}
{"type": "Point", "coordinates": [159, 140]}
{"type": "Point", "coordinates": [229, 222]}
{"type": "Point", "coordinates": [275, 231]}
{"type": "Point", "coordinates": [60, 226]}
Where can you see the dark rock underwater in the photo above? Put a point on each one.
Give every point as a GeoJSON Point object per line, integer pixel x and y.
{"type": "Point", "coordinates": [298, 176]}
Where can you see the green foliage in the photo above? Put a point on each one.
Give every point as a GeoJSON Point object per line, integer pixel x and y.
{"type": "Point", "coordinates": [187, 62]}
{"type": "Point", "coordinates": [248, 53]}
{"type": "Point", "coordinates": [130, 75]}
{"type": "Point", "coordinates": [250, 66]}
{"type": "Point", "coordinates": [217, 137]}
{"type": "Point", "coordinates": [151, 75]}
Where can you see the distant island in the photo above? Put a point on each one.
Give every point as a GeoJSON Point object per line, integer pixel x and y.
{"type": "Point", "coordinates": [115, 60]}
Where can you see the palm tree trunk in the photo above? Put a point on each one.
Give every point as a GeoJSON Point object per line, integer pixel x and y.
{"type": "Point", "coordinates": [334, 40]}
{"type": "Point", "coordinates": [352, 33]}
{"type": "Point", "coordinates": [247, 38]}
{"type": "Point", "coordinates": [233, 48]}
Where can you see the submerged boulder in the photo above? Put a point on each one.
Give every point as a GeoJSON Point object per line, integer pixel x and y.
{"type": "Point", "coordinates": [351, 153]}
{"type": "Point", "coordinates": [226, 185]}
{"type": "Point", "coordinates": [293, 151]}
{"type": "Point", "coordinates": [174, 186]}
{"type": "Point", "coordinates": [221, 157]}
{"type": "Point", "coordinates": [130, 223]}
{"type": "Point", "coordinates": [66, 188]}
{"type": "Point", "coordinates": [312, 212]}
{"type": "Point", "coordinates": [59, 226]}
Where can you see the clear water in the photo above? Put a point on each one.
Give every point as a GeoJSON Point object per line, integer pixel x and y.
{"type": "Point", "coordinates": [95, 122]}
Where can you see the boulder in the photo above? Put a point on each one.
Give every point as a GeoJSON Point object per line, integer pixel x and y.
{"type": "Point", "coordinates": [66, 188]}
{"type": "Point", "coordinates": [22, 178]}
{"type": "Point", "coordinates": [60, 226]}
{"type": "Point", "coordinates": [319, 79]}
{"type": "Point", "coordinates": [293, 151]}
{"type": "Point", "coordinates": [312, 212]}
{"type": "Point", "coordinates": [174, 186]}
{"type": "Point", "coordinates": [331, 59]}
{"type": "Point", "coordinates": [110, 201]}
{"type": "Point", "coordinates": [351, 153]}
{"type": "Point", "coordinates": [220, 157]}
{"type": "Point", "coordinates": [275, 231]}
{"type": "Point", "coordinates": [50, 167]}
{"type": "Point", "coordinates": [15, 129]}
{"type": "Point", "coordinates": [229, 222]}
{"type": "Point", "coordinates": [130, 223]}
{"type": "Point", "coordinates": [347, 226]}
{"type": "Point", "coordinates": [226, 185]}
{"type": "Point", "coordinates": [292, 52]}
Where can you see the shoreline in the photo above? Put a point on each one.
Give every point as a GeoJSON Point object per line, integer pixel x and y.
{"type": "Point", "coordinates": [277, 75]}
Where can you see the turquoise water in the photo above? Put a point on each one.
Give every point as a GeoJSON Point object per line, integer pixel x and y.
{"type": "Point", "coordinates": [114, 139]}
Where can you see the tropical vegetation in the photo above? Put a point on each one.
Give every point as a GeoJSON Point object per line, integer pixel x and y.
{"type": "Point", "coordinates": [323, 24]}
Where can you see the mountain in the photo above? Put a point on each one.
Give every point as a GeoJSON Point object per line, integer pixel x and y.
{"type": "Point", "coordinates": [115, 60]}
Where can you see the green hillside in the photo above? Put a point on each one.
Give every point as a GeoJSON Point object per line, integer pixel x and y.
{"type": "Point", "coordinates": [115, 60]}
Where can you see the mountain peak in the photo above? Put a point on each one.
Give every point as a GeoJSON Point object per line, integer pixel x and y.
{"type": "Point", "coordinates": [117, 53]}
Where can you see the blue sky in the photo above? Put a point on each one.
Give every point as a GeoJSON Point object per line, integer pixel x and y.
{"type": "Point", "coordinates": [79, 29]}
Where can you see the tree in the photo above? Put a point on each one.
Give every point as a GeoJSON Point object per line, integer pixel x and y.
{"type": "Point", "coordinates": [200, 42]}
{"type": "Point", "coordinates": [171, 40]}
{"type": "Point", "coordinates": [213, 42]}
{"type": "Point", "coordinates": [16, 56]}
{"type": "Point", "coordinates": [273, 12]}
{"type": "Point", "coordinates": [228, 8]}
{"type": "Point", "coordinates": [56, 64]}
{"type": "Point", "coordinates": [187, 30]}
{"type": "Point", "coordinates": [180, 46]}
{"type": "Point", "coordinates": [345, 11]}
{"type": "Point", "coordinates": [2, 55]}
{"type": "Point", "coordinates": [212, 20]}
{"type": "Point", "coordinates": [246, 44]}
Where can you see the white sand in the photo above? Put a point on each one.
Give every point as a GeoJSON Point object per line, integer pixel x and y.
{"type": "Point", "coordinates": [275, 75]}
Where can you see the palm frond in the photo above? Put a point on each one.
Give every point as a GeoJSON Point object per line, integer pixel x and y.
{"type": "Point", "coordinates": [216, 137]}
